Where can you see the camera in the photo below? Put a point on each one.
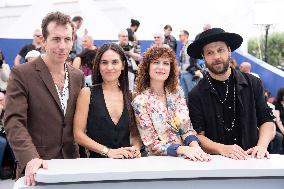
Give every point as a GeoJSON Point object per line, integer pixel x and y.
{"type": "Point", "coordinates": [72, 55]}
{"type": "Point", "coordinates": [127, 47]}
{"type": "Point", "coordinates": [192, 70]}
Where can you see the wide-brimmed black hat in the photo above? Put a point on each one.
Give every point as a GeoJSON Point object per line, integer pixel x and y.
{"type": "Point", "coordinates": [233, 40]}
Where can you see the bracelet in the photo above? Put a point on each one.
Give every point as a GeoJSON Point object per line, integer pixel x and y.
{"type": "Point", "coordinates": [105, 151]}
{"type": "Point", "coordinates": [172, 149]}
{"type": "Point", "coordinates": [189, 139]}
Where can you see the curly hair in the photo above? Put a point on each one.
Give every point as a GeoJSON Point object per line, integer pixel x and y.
{"type": "Point", "coordinates": [153, 53]}
{"type": "Point", "coordinates": [59, 18]}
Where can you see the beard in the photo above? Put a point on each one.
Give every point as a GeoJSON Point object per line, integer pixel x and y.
{"type": "Point", "coordinates": [222, 67]}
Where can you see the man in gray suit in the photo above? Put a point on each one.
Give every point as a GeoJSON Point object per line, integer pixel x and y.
{"type": "Point", "coordinates": [41, 101]}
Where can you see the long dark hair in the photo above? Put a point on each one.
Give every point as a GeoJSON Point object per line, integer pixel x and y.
{"type": "Point", "coordinates": [123, 78]}
{"type": "Point", "coordinates": [280, 95]}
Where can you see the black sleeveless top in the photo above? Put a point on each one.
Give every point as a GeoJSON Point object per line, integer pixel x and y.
{"type": "Point", "coordinates": [100, 126]}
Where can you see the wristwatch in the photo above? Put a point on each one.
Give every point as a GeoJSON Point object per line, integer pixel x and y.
{"type": "Point", "coordinates": [105, 151]}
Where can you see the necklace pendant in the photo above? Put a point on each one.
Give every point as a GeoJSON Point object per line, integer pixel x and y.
{"type": "Point", "coordinates": [228, 129]}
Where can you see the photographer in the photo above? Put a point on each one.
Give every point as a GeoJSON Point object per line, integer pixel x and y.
{"type": "Point", "coordinates": [132, 56]}
{"type": "Point", "coordinates": [132, 35]}
{"type": "Point", "coordinates": [4, 73]}
{"type": "Point", "coordinates": [190, 71]}
{"type": "Point", "coordinates": [35, 45]}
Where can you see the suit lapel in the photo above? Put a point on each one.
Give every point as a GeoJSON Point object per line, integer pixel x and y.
{"type": "Point", "coordinates": [48, 81]}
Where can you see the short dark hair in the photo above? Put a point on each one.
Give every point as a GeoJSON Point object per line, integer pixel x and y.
{"type": "Point", "coordinates": [185, 32]}
{"type": "Point", "coordinates": [59, 18]}
{"type": "Point", "coordinates": [168, 27]}
{"type": "Point", "coordinates": [135, 22]}
{"type": "Point", "coordinates": [77, 18]}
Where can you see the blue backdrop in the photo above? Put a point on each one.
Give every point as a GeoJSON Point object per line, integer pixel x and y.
{"type": "Point", "coordinates": [271, 77]}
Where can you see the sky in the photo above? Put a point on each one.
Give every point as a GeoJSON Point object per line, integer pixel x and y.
{"type": "Point", "coordinates": [105, 18]}
{"type": "Point", "coordinates": [245, 17]}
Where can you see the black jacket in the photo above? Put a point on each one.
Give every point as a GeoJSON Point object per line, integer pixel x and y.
{"type": "Point", "coordinates": [172, 42]}
{"type": "Point", "coordinates": [253, 110]}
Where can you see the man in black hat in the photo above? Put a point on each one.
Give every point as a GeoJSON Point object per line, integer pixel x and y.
{"type": "Point", "coordinates": [227, 107]}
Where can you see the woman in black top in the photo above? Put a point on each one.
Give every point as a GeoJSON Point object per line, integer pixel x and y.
{"type": "Point", "coordinates": [103, 121]}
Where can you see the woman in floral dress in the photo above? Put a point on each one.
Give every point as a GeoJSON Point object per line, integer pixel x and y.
{"type": "Point", "coordinates": [160, 108]}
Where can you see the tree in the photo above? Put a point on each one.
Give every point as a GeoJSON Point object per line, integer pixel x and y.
{"type": "Point", "coordinates": [275, 48]}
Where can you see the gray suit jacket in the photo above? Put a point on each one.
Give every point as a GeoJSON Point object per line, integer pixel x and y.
{"type": "Point", "coordinates": [34, 121]}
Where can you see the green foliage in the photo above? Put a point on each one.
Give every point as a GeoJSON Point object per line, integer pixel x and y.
{"type": "Point", "coordinates": [275, 48]}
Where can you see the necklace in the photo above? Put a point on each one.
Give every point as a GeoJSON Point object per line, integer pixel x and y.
{"type": "Point", "coordinates": [227, 88]}
{"type": "Point", "coordinates": [228, 129]}
{"type": "Point", "coordinates": [59, 81]}
{"type": "Point", "coordinates": [159, 94]}
{"type": "Point", "coordinates": [234, 112]}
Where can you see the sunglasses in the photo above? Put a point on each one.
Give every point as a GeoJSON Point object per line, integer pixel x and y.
{"type": "Point", "coordinates": [37, 35]}
{"type": "Point", "coordinates": [157, 37]}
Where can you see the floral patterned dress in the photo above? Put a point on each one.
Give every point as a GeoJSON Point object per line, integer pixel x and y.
{"type": "Point", "coordinates": [162, 125]}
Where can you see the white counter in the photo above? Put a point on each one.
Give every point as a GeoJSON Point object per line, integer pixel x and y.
{"type": "Point", "coordinates": [161, 172]}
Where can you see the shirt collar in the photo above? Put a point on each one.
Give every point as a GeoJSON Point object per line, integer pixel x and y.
{"type": "Point", "coordinates": [237, 76]}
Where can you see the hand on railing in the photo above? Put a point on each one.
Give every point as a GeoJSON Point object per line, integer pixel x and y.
{"type": "Point", "coordinates": [31, 169]}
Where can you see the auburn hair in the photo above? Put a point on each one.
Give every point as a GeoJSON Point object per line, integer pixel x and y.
{"type": "Point", "coordinates": [152, 54]}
